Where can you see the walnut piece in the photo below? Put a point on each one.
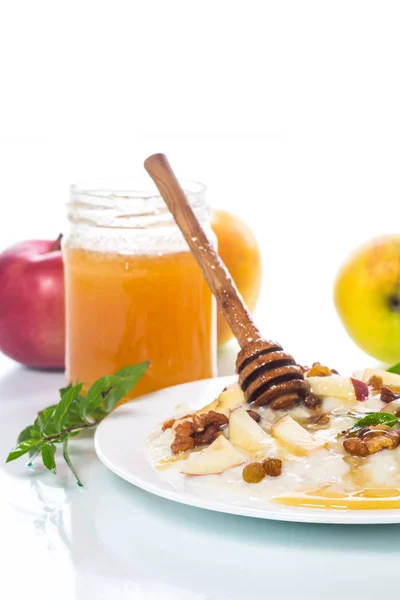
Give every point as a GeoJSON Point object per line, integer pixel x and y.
{"type": "Point", "coordinates": [355, 447]}
{"type": "Point", "coordinates": [183, 437]}
{"type": "Point", "coordinates": [202, 430]}
{"type": "Point", "coordinates": [371, 440]}
{"type": "Point", "coordinates": [168, 424]}
{"type": "Point", "coordinates": [375, 383]}
{"type": "Point", "coordinates": [376, 444]}
{"type": "Point", "coordinates": [272, 466]}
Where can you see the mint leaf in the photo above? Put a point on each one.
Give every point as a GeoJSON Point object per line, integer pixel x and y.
{"type": "Point", "coordinates": [61, 411]}
{"type": "Point", "coordinates": [127, 378]}
{"type": "Point", "coordinates": [45, 421]}
{"type": "Point", "coordinates": [394, 369]}
{"type": "Point", "coordinates": [98, 391]}
{"type": "Point", "coordinates": [22, 448]}
{"type": "Point", "coordinates": [62, 391]}
{"type": "Point", "coordinates": [26, 434]}
{"type": "Point", "coordinates": [375, 418]}
{"type": "Point", "coordinates": [59, 422]}
{"type": "Point", "coordinates": [44, 416]}
{"type": "Point", "coordinates": [48, 452]}
{"type": "Point", "coordinates": [69, 463]}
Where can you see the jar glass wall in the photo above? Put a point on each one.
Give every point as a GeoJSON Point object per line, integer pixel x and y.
{"type": "Point", "coordinates": [134, 291]}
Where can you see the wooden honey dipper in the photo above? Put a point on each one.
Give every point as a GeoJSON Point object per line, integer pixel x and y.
{"type": "Point", "coordinates": [267, 374]}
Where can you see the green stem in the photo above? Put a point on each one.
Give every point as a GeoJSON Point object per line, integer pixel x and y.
{"type": "Point", "coordinates": [69, 463]}
{"type": "Point", "coordinates": [68, 430]}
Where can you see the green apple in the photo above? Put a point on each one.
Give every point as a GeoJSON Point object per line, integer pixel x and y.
{"type": "Point", "coordinates": [367, 298]}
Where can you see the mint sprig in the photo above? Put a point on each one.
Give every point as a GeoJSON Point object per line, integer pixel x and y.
{"type": "Point", "coordinates": [374, 418]}
{"type": "Point", "coordinates": [394, 369]}
{"type": "Point", "coordinates": [73, 413]}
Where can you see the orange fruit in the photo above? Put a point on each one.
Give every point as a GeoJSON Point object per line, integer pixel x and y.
{"type": "Point", "coordinates": [239, 250]}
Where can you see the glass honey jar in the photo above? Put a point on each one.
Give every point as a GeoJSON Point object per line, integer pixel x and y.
{"type": "Point", "coordinates": [134, 291]}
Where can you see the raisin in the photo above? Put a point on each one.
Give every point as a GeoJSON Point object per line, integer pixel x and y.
{"type": "Point", "coordinates": [254, 472]}
{"type": "Point", "coordinates": [254, 415]}
{"type": "Point", "coordinates": [272, 467]}
{"type": "Point", "coordinates": [375, 383]}
{"type": "Point", "coordinates": [318, 370]}
{"type": "Point", "coordinates": [312, 401]}
{"type": "Point", "coordinates": [388, 394]}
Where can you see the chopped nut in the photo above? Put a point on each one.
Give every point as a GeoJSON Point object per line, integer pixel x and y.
{"type": "Point", "coordinates": [254, 415]}
{"type": "Point", "coordinates": [254, 472]}
{"type": "Point", "coordinates": [318, 370]}
{"type": "Point", "coordinates": [284, 402]}
{"type": "Point", "coordinates": [388, 394]}
{"type": "Point", "coordinates": [304, 369]}
{"type": "Point", "coordinates": [372, 439]}
{"type": "Point", "coordinates": [272, 466]}
{"type": "Point", "coordinates": [199, 423]}
{"type": "Point", "coordinates": [312, 401]}
{"type": "Point", "coordinates": [394, 434]}
{"type": "Point", "coordinates": [183, 437]}
{"type": "Point", "coordinates": [199, 431]}
{"type": "Point", "coordinates": [355, 447]}
{"type": "Point", "coordinates": [168, 424]}
{"type": "Point", "coordinates": [207, 436]}
{"type": "Point", "coordinates": [182, 420]}
{"type": "Point", "coordinates": [182, 445]}
{"type": "Point", "coordinates": [389, 440]}
{"type": "Point", "coordinates": [375, 383]}
{"type": "Point", "coordinates": [213, 418]}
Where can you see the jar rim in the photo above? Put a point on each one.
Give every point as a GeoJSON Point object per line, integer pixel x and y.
{"type": "Point", "coordinates": [129, 188]}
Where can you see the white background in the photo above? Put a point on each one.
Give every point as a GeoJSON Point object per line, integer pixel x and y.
{"type": "Point", "coordinates": [289, 111]}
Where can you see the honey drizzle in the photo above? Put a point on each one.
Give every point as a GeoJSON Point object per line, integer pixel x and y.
{"type": "Point", "coordinates": [365, 499]}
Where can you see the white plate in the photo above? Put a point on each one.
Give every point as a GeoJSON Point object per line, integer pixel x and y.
{"type": "Point", "coordinates": [120, 441]}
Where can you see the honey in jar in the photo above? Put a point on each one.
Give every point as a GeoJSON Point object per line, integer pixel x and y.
{"type": "Point", "coordinates": [134, 291]}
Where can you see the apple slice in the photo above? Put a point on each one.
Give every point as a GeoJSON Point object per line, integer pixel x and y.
{"type": "Point", "coordinates": [292, 435]}
{"type": "Point", "coordinates": [387, 378]}
{"type": "Point", "coordinates": [230, 398]}
{"type": "Point", "coordinates": [246, 434]}
{"type": "Point", "coordinates": [212, 406]}
{"type": "Point", "coordinates": [215, 459]}
{"type": "Point", "coordinates": [335, 386]}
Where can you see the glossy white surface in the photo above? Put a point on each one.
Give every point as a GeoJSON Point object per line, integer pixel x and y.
{"type": "Point", "coordinates": [121, 444]}
{"type": "Point", "coordinates": [112, 541]}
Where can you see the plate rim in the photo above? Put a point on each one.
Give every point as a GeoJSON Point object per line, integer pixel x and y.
{"type": "Point", "coordinates": [270, 512]}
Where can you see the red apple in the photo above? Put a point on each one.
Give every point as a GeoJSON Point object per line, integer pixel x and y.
{"type": "Point", "coordinates": [32, 322]}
